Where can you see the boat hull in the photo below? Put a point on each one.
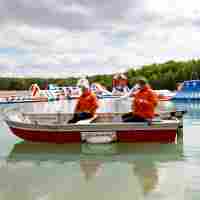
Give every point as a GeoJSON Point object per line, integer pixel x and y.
{"type": "Point", "coordinates": [107, 127]}
{"type": "Point", "coordinates": [146, 135]}
{"type": "Point", "coordinates": [163, 136]}
{"type": "Point", "coordinates": [46, 136]}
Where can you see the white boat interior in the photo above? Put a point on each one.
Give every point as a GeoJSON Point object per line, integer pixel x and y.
{"type": "Point", "coordinates": [102, 122]}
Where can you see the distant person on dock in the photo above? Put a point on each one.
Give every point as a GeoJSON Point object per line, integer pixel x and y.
{"type": "Point", "coordinates": [87, 103]}
{"type": "Point", "coordinates": [179, 86]}
{"type": "Point", "coordinates": [35, 90]}
{"type": "Point", "coordinates": [120, 84]}
{"type": "Point", "coordinates": [144, 103]}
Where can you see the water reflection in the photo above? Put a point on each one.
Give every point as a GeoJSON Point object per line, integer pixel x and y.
{"type": "Point", "coordinates": [116, 171]}
{"type": "Point", "coordinates": [147, 175]}
{"type": "Point", "coordinates": [91, 168]}
{"type": "Point", "coordinates": [192, 107]}
{"type": "Point", "coordinates": [106, 152]}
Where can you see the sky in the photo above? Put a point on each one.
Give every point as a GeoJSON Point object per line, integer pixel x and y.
{"type": "Point", "coordinates": [50, 38]}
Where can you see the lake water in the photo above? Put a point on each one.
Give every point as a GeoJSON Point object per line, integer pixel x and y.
{"type": "Point", "coordinates": [114, 171]}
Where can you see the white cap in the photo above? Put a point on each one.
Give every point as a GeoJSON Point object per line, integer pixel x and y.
{"type": "Point", "coordinates": [83, 83]}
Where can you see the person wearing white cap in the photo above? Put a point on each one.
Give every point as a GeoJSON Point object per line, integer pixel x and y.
{"type": "Point", "coordinates": [83, 83]}
{"type": "Point", "coordinates": [87, 103]}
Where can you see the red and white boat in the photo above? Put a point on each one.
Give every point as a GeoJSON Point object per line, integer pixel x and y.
{"type": "Point", "coordinates": [107, 127]}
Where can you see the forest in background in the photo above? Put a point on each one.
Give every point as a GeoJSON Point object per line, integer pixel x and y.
{"type": "Point", "coordinates": [160, 76]}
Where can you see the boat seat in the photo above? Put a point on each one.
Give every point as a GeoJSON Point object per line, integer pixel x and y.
{"type": "Point", "coordinates": [87, 121]}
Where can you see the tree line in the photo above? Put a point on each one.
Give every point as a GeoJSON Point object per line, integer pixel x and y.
{"type": "Point", "coordinates": [160, 76]}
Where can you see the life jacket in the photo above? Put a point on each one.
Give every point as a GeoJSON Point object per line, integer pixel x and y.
{"type": "Point", "coordinates": [87, 102]}
{"type": "Point", "coordinates": [144, 103]}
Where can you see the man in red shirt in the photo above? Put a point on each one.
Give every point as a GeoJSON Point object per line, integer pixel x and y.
{"type": "Point", "coordinates": [144, 103]}
{"type": "Point", "coordinates": [87, 103]}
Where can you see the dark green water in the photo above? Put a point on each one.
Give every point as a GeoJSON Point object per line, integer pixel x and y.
{"type": "Point", "coordinates": [113, 171]}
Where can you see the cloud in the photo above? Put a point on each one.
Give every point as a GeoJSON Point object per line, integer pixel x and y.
{"type": "Point", "coordinates": [65, 38]}
{"type": "Point", "coordinates": [70, 14]}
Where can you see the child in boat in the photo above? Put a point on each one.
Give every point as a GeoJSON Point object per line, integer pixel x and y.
{"type": "Point", "coordinates": [87, 103]}
{"type": "Point", "coordinates": [144, 103]}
